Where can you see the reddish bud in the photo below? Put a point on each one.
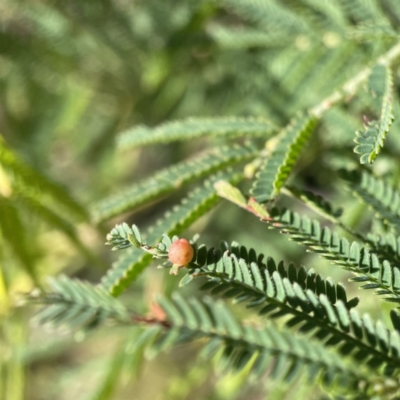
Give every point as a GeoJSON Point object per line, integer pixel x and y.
{"type": "Point", "coordinates": [181, 252]}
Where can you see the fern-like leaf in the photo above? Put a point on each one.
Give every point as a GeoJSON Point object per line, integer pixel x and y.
{"type": "Point", "coordinates": [387, 247]}
{"type": "Point", "coordinates": [377, 194]}
{"type": "Point", "coordinates": [73, 304]}
{"type": "Point", "coordinates": [369, 271]}
{"type": "Point", "coordinates": [370, 142]}
{"type": "Point", "coordinates": [316, 202]}
{"type": "Point", "coordinates": [278, 294]}
{"type": "Point", "coordinates": [245, 347]}
{"type": "Point", "coordinates": [323, 207]}
{"type": "Point", "coordinates": [234, 261]}
{"type": "Point", "coordinates": [286, 148]}
{"type": "Point", "coordinates": [316, 306]}
{"type": "Point", "coordinates": [370, 267]}
{"type": "Point", "coordinates": [192, 128]}
{"type": "Point", "coordinates": [239, 263]}
{"type": "Point", "coordinates": [133, 261]}
{"type": "Point", "coordinates": [170, 179]}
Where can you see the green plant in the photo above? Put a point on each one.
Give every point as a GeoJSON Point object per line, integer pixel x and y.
{"type": "Point", "coordinates": [304, 65]}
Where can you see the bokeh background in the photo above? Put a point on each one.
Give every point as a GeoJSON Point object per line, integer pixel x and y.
{"type": "Point", "coordinates": [74, 74]}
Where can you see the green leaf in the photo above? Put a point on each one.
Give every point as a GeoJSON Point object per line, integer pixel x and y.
{"type": "Point", "coordinates": [281, 158]}
{"type": "Point", "coordinates": [73, 304]}
{"type": "Point", "coordinates": [386, 246]}
{"type": "Point", "coordinates": [370, 142]}
{"type": "Point", "coordinates": [245, 347]}
{"type": "Point", "coordinates": [316, 202]}
{"type": "Point", "coordinates": [191, 128]}
{"type": "Point", "coordinates": [263, 279]}
{"type": "Point", "coordinates": [316, 303]}
{"type": "Point", "coordinates": [377, 194]}
{"type": "Point", "coordinates": [171, 179]}
{"type": "Point", "coordinates": [350, 256]}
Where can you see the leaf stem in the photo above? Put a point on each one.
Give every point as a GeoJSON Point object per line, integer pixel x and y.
{"type": "Point", "coordinates": [350, 88]}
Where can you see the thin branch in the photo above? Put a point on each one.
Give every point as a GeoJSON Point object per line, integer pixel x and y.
{"type": "Point", "coordinates": [349, 89]}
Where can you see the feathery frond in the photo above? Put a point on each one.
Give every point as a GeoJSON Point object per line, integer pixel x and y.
{"type": "Point", "coordinates": [170, 179]}
{"type": "Point", "coordinates": [316, 306]}
{"type": "Point", "coordinates": [284, 151]}
{"type": "Point", "coordinates": [323, 207]}
{"type": "Point", "coordinates": [371, 267]}
{"type": "Point", "coordinates": [333, 323]}
{"type": "Point", "coordinates": [237, 345]}
{"type": "Point", "coordinates": [243, 346]}
{"type": "Point", "coordinates": [236, 262]}
{"type": "Point", "coordinates": [316, 202]}
{"type": "Point", "coordinates": [387, 247]}
{"type": "Point", "coordinates": [192, 128]}
{"type": "Point", "coordinates": [366, 265]}
{"type": "Point", "coordinates": [73, 304]}
{"type": "Point", "coordinates": [244, 265]}
{"type": "Point", "coordinates": [377, 194]}
{"type": "Point", "coordinates": [242, 58]}
{"type": "Point", "coordinates": [370, 142]}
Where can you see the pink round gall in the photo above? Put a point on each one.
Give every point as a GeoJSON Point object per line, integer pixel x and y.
{"type": "Point", "coordinates": [181, 252]}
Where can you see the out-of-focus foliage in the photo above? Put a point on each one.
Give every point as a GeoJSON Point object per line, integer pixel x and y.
{"type": "Point", "coordinates": [85, 84]}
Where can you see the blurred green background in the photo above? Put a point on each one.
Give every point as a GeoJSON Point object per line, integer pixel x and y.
{"type": "Point", "coordinates": [73, 74]}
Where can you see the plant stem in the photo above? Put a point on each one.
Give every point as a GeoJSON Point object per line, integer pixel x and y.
{"type": "Point", "coordinates": [350, 88]}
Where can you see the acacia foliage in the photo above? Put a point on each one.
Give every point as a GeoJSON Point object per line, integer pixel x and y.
{"type": "Point", "coordinates": [301, 63]}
